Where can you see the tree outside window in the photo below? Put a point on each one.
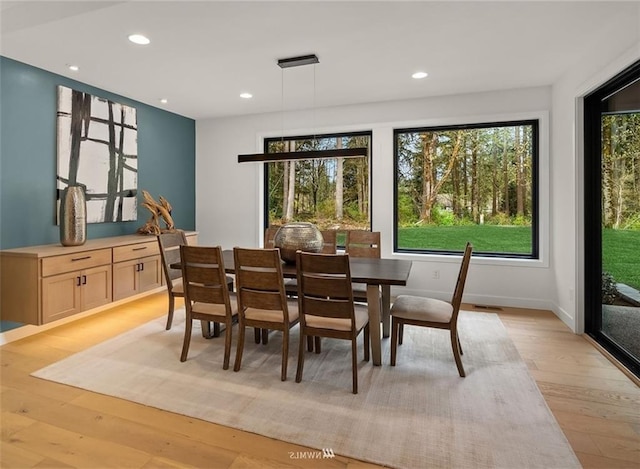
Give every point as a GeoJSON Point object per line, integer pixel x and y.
{"type": "Point", "coordinates": [467, 183]}
{"type": "Point", "coordinates": [332, 193]}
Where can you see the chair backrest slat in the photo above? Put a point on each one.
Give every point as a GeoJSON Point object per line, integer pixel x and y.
{"type": "Point", "coordinates": [361, 243]}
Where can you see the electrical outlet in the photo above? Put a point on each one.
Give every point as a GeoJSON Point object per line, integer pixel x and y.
{"type": "Point", "coordinates": [436, 274]}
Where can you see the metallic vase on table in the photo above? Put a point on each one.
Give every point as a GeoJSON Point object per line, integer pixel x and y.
{"type": "Point", "coordinates": [73, 216]}
{"type": "Point", "coordinates": [298, 236]}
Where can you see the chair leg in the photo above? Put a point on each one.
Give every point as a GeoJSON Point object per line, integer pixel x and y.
{"type": "Point", "coordinates": [256, 333]}
{"type": "Point", "coordinates": [265, 336]}
{"type": "Point", "coordinates": [240, 346]}
{"type": "Point", "coordinates": [367, 341]}
{"type": "Point", "coordinates": [187, 339]}
{"type": "Point", "coordinates": [309, 343]}
{"type": "Point", "coordinates": [227, 344]}
{"type": "Point", "coordinates": [394, 339]}
{"type": "Point", "coordinates": [300, 357]}
{"type": "Point", "coordinates": [456, 351]}
{"type": "Point", "coordinates": [317, 344]}
{"type": "Point", "coordinates": [460, 346]}
{"type": "Point", "coordinates": [401, 333]}
{"type": "Point", "coordinates": [172, 302]}
{"type": "Point", "coordinates": [206, 329]}
{"type": "Point", "coordinates": [216, 329]}
{"type": "Point", "coordinates": [285, 354]}
{"type": "Point", "coordinates": [354, 364]}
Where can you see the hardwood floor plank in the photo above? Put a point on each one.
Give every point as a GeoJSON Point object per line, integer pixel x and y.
{"type": "Point", "coordinates": [76, 449]}
{"type": "Point", "coordinates": [590, 461]}
{"type": "Point", "coordinates": [610, 412]}
{"type": "Point", "coordinates": [614, 386]}
{"type": "Point", "coordinates": [11, 455]}
{"type": "Point", "coordinates": [626, 450]}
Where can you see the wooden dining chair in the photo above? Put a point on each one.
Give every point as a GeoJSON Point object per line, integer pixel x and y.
{"type": "Point", "coordinates": [206, 294]}
{"type": "Point", "coordinates": [325, 301]}
{"type": "Point", "coordinates": [262, 301]}
{"type": "Point", "coordinates": [431, 312]}
{"type": "Point", "coordinates": [361, 243]}
{"type": "Point", "coordinates": [169, 243]}
{"type": "Point", "coordinates": [329, 246]}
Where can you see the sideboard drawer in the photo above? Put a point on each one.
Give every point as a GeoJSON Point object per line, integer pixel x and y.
{"type": "Point", "coordinates": [72, 262]}
{"type": "Point", "coordinates": [135, 251]}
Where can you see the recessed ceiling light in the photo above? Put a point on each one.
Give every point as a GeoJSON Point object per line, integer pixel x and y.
{"type": "Point", "coordinates": [246, 95]}
{"type": "Point", "coordinates": [419, 75]}
{"type": "Point", "coordinates": [74, 68]}
{"type": "Point", "coordinates": [139, 39]}
{"type": "Point", "coordinates": [164, 101]}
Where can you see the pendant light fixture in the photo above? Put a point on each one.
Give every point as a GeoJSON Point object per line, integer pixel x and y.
{"type": "Point", "coordinates": [302, 155]}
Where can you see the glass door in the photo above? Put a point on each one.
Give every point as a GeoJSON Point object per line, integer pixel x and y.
{"type": "Point", "coordinates": [612, 216]}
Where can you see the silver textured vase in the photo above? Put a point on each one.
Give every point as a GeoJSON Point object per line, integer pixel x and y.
{"type": "Point", "coordinates": [73, 216]}
{"type": "Point", "coordinates": [296, 236]}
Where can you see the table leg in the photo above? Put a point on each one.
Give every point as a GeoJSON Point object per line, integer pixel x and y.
{"type": "Point", "coordinates": [373, 305]}
{"type": "Point", "coordinates": [386, 307]}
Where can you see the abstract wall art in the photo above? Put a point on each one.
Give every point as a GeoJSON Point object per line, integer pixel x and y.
{"type": "Point", "coordinates": [98, 149]}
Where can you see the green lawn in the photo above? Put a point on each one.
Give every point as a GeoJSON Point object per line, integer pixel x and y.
{"type": "Point", "coordinates": [621, 255]}
{"type": "Point", "coordinates": [485, 238]}
{"type": "Point", "coordinates": [621, 248]}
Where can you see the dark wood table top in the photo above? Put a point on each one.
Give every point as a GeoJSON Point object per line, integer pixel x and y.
{"type": "Point", "coordinates": [363, 270]}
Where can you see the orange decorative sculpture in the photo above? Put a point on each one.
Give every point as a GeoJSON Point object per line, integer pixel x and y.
{"type": "Point", "coordinates": [159, 210]}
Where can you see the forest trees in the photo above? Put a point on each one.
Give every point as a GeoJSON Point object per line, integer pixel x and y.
{"type": "Point", "coordinates": [332, 193]}
{"type": "Point", "coordinates": [472, 175]}
{"type": "Point", "coordinates": [621, 171]}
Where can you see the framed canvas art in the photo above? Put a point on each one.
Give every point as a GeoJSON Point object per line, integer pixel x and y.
{"type": "Point", "coordinates": [98, 149]}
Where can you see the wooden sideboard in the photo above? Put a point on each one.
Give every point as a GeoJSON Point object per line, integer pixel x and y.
{"type": "Point", "coordinates": [41, 284]}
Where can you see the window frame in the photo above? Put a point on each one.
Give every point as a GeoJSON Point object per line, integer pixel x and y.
{"type": "Point", "coordinates": [265, 172]}
{"type": "Point", "coordinates": [536, 146]}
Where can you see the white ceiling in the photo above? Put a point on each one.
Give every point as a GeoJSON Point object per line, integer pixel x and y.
{"type": "Point", "coordinates": [204, 54]}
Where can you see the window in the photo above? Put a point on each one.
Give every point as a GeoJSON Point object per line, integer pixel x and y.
{"type": "Point", "coordinates": [333, 193]}
{"type": "Point", "coordinates": [464, 183]}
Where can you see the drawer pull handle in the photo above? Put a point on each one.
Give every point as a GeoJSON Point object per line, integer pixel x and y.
{"type": "Point", "coordinates": [139, 249]}
{"type": "Point", "coordinates": [84, 279]}
{"type": "Point", "coordinates": [80, 258]}
{"type": "Point", "coordinates": [79, 282]}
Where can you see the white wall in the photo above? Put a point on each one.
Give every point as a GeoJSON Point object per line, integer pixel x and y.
{"type": "Point", "coordinates": [229, 194]}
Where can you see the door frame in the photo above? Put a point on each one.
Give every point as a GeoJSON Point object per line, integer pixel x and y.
{"type": "Point", "coordinates": [592, 213]}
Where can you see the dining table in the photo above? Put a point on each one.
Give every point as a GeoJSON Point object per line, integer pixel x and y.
{"type": "Point", "coordinates": [378, 274]}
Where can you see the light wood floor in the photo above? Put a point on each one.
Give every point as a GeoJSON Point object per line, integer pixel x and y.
{"type": "Point", "coordinates": [45, 424]}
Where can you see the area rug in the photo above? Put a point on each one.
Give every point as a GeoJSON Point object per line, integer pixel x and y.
{"type": "Point", "coordinates": [419, 413]}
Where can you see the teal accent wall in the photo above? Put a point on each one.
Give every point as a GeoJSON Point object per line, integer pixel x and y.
{"type": "Point", "coordinates": [28, 105]}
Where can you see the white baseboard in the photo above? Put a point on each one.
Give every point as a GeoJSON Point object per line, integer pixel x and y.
{"type": "Point", "coordinates": [500, 301]}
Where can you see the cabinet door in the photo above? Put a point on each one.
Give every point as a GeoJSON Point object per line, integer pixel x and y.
{"type": "Point", "coordinates": [96, 287]}
{"type": "Point", "coordinates": [150, 273]}
{"type": "Point", "coordinates": [61, 296]}
{"type": "Point", "coordinates": [125, 279]}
